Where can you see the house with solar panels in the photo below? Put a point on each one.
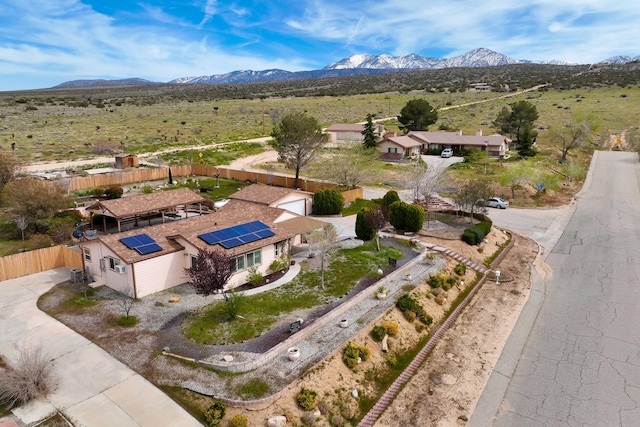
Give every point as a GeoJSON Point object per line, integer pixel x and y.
{"type": "Point", "coordinates": [296, 201]}
{"type": "Point", "coordinates": [151, 259]}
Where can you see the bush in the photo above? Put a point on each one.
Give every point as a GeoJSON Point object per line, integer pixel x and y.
{"type": "Point", "coordinates": [472, 236]}
{"type": "Point", "coordinates": [353, 352]}
{"type": "Point", "coordinates": [420, 327]}
{"type": "Point", "coordinates": [113, 192]}
{"type": "Point", "coordinates": [392, 328]}
{"type": "Point", "coordinates": [436, 281]}
{"type": "Point", "coordinates": [460, 269]}
{"type": "Point", "coordinates": [484, 227]}
{"type": "Point", "coordinates": [406, 216]}
{"type": "Point", "coordinates": [378, 333]}
{"type": "Point", "coordinates": [337, 421]}
{"type": "Point", "coordinates": [28, 378]}
{"type": "Point", "coordinates": [408, 304]}
{"type": "Point", "coordinates": [306, 399]}
{"type": "Point", "coordinates": [309, 419]}
{"type": "Point", "coordinates": [254, 277]}
{"type": "Point", "coordinates": [238, 421]}
{"type": "Point", "coordinates": [127, 321]}
{"type": "Point", "coordinates": [279, 263]}
{"type": "Point", "coordinates": [214, 414]}
{"type": "Point", "coordinates": [363, 231]}
{"type": "Point", "coordinates": [328, 202]}
{"type": "Point", "coordinates": [410, 316]}
{"type": "Point", "coordinates": [390, 197]}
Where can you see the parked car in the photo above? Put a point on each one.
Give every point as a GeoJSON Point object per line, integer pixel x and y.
{"type": "Point", "coordinates": [447, 152]}
{"type": "Point", "coordinates": [497, 202]}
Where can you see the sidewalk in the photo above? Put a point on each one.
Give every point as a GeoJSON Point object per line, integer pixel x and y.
{"type": "Point", "coordinates": [93, 388]}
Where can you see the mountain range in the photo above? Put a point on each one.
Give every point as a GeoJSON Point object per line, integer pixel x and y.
{"type": "Point", "coordinates": [361, 64]}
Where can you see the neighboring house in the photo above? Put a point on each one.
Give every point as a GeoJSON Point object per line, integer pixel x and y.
{"type": "Point", "coordinates": [398, 147]}
{"type": "Point", "coordinates": [497, 145]}
{"type": "Point", "coordinates": [129, 211]}
{"type": "Point", "coordinates": [296, 201]}
{"type": "Point", "coordinates": [151, 259]}
{"type": "Point", "coordinates": [341, 133]}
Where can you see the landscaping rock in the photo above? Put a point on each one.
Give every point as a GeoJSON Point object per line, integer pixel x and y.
{"type": "Point", "coordinates": [277, 421]}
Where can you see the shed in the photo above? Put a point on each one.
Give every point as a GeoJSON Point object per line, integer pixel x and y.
{"type": "Point", "coordinates": [126, 161]}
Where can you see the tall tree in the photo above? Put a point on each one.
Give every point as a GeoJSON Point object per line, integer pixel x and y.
{"type": "Point", "coordinates": [369, 132]}
{"type": "Point", "coordinates": [417, 114]}
{"type": "Point", "coordinates": [211, 271]}
{"type": "Point", "coordinates": [298, 138]}
{"type": "Point", "coordinates": [527, 140]}
{"type": "Point", "coordinates": [35, 199]}
{"type": "Point", "coordinates": [375, 218]}
{"type": "Point", "coordinates": [574, 133]}
{"type": "Point", "coordinates": [518, 121]}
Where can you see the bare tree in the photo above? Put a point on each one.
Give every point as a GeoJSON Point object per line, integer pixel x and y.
{"type": "Point", "coordinates": [125, 299]}
{"type": "Point", "coordinates": [211, 271]}
{"type": "Point", "coordinates": [349, 166]}
{"type": "Point", "coordinates": [473, 196]}
{"type": "Point", "coordinates": [574, 133]}
{"type": "Point", "coordinates": [29, 377]}
{"type": "Point", "coordinates": [22, 222]}
{"type": "Point", "coordinates": [9, 168]}
{"type": "Point", "coordinates": [431, 180]}
{"type": "Point", "coordinates": [322, 239]}
{"type": "Point", "coordinates": [414, 178]}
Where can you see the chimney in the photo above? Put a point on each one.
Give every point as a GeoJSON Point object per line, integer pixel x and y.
{"type": "Point", "coordinates": [479, 132]}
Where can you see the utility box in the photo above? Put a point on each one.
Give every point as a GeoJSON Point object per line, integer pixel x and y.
{"type": "Point", "coordinates": [77, 275]}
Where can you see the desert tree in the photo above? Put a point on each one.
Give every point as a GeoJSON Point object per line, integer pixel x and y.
{"type": "Point", "coordinates": [573, 170]}
{"type": "Point", "coordinates": [22, 222]}
{"type": "Point", "coordinates": [349, 165]}
{"type": "Point", "coordinates": [211, 271]}
{"type": "Point", "coordinates": [417, 114]}
{"type": "Point", "coordinates": [322, 240]}
{"type": "Point", "coordinates": [516, 175]}
{"type": "Point", "coordinates": [370, 139]}
{"type": "Point", "coordinates": [35, 199]}
{"type": "Point", "coordinates": [125, 301]}
{"type": "Point", "coordinates": [574, 133]}
{"type": "Point", "coordinates": [298, 139]}
{"type": "Point", "coordinates": [414, 178]}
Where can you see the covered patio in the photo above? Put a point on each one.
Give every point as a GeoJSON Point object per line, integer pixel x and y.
{"type": "Point", "coordinates": [154, 208]}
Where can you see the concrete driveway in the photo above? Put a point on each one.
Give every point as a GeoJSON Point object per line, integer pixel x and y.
{"type": "Point", "coordinates": [93, 388]}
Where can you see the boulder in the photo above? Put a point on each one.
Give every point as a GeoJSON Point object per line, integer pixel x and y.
{"type": "Point", "coordinates": [385, 344]}
{"type": "Point", "coordinates": [277, 421]}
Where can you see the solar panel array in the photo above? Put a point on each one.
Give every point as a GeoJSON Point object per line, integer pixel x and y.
{"type": "Point", "coordinates": [238, 235]}
{"type": "Point", "coordinates": [141, 243]}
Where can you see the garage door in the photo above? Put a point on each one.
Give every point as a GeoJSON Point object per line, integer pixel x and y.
{"type": "Point", "coordinates": [295, 207]}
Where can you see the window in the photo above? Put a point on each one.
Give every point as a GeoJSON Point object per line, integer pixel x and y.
{"type": "Point", "coordinates": [240, 263]}
{"type": "Point", "coordinates": [87, 254]}
{"type": "Point", "coordinates": [393, 150]}
{"type": "Point", "coordinates": [194, 261]}
{"type": "Point", "coordinates": [112, 263]}
{"type": "Point", "coordinates": [278, 248]}
{"type": "Point", "coordinates": [254, 258]}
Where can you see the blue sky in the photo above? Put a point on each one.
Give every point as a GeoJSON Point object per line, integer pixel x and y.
{"type": "Point", "coordinates": [44, 43]}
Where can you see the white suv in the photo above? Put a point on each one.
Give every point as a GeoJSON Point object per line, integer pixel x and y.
{"type": "Point", "coordinates": [447, 152]}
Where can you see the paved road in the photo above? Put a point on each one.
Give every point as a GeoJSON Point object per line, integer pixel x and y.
{"type": "Point", "coordinates": [574, 356]}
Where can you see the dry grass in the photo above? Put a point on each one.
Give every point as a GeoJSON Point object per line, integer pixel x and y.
{"type": "Point", "coordinates": [29, 377]}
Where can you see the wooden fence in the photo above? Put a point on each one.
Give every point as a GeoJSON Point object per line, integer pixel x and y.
{"type": "Point", "coordinates": [141, 175]}
{"type": "Point", "coordinates": [25, 263]}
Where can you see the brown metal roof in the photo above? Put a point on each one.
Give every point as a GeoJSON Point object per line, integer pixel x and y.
{"type": "Point", "coordinates": [263, 194]}
{"type": "Point", "coordinates": [404, 141]}
{"type": "Point", "coordinates": [346, 127]}
{"type": "Point", "coordinates": [455, 138]}
{"type": "Point", "coordinates": [130, 206]}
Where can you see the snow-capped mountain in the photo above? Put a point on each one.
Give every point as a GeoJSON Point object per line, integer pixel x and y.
{"type": "Point", "coordinates": [481, 57]}
{"type": "Point", "coordinates": [620, 59]}
{"type": "Point", "coordinates": [360, 64]}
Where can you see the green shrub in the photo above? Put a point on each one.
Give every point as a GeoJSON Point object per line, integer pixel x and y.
{"type": "Point", "coordinates": [238, 421]}
{"type": "Point", "coordinates": [436, 281]}
{"type": "Point", "coordinates": [472, 236]}
{"type": "Point", "coordinates": [363, 231]}
{"type": "Point", "coordinates": [460, 269]}
{"type": "Point", "coordinates": [327, 202]}
{"type": "Point", "coordinates": [408, 304]}
{"type": "Point", "coordinates": [254, 277]}
{"type": "Point", "coordinates": [306, 399]}
{"type": "Point", "coordinates": [420, 327]}
{"type": "Point", "coordinates": [352, 352]}
{"type": "Point", "coordinates": [392, 328]}
{"type": "Point", "coordinates": [410, 316]}
{"type": "Point", "coordinates": [378, 333]}
{"type": "Point", "coordinates": [127, 321]}
{"type": "Point", "coordinates": [279, 263]}
{"type": "Point", "coordinates": [484, 227]}
{"type": "Point", "coordinates": [406, 216]}
{"type": "Point", "coordinates": [214, 414]}
{"type": "Point", "coordinates": [147, 189]}
{"type": "Point", "coordinates": [390, 197]}
{"type": "Point", "coordinates": [113, 192]}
